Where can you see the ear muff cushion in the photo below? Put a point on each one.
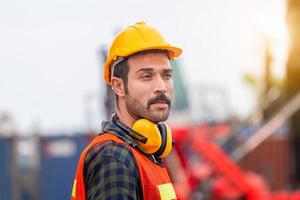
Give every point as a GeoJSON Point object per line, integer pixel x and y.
{"type": "Point", "coordinates": [163, 132]}
{"type": "Point", "coordinates": [169, 142]}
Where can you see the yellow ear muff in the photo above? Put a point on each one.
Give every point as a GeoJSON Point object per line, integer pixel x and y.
{"type": "Point", "coordinates": [159, 137]}
{"type": "Point", "coordinates": [149, 130]}
{"type": "Point", "coordinates": [151, 138]}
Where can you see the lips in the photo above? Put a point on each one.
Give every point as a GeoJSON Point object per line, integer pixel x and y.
{"type": "Point", "coordinates": [160, 105]}
{"type": "Point", "coordinates": [164, 102]}
{"type": "Point", "coordinates": [161, 102]}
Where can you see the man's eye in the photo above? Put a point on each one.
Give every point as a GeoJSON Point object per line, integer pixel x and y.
{"type": "Point", "coordinates": [168, 76]}
{"type": "Point", "coordinates": [147, 76]}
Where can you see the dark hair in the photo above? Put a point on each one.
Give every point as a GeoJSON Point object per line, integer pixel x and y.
{"type": "Point", "coordinates": [121, 71]}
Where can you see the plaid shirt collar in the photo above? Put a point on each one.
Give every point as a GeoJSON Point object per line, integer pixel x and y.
{"type": "Point", "coordinates": [109, 126]}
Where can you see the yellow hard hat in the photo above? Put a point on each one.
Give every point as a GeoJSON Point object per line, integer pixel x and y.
{"type": "Point", "coordinates": [133, 39]}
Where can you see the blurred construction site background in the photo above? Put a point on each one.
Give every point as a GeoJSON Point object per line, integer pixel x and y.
{"type": "Point", "coordinates": [236, 113]}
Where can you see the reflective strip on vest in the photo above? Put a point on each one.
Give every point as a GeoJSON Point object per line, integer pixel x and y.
{"type": "Point", "coordinates": [166, 191]}
{"type": "Point", "coordinates": [74, 188]}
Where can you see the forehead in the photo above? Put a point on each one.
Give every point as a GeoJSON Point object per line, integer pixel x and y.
{"type": "Point", "coordinates": [149, 60]}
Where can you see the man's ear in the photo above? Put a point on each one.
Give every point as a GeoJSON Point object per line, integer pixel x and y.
{"type": "Point", "coordinates": [118, 86]}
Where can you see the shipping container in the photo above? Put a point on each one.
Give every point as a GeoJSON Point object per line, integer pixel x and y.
{"type": "Point", "coordinates": [58, 161]}
{"type": "Point", "coordinates": [5, 168]}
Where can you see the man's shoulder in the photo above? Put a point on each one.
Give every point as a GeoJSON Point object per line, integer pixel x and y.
{"type": "Point", "coordinates": [110, 149]}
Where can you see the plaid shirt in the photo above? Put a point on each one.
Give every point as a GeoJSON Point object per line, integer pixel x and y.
{"type": "Point", "coordinates": [111, 170]}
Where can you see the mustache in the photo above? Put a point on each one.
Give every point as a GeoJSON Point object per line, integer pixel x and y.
{"type": "Point", "coordinates": [161, 97]}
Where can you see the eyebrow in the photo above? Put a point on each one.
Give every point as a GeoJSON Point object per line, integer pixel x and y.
{"type": "Point", "coordinates": [167, 70]}
{"type": "Point", "coordinates": [151, 69]}
{"type": "Point", "coordinates": [145, 70]}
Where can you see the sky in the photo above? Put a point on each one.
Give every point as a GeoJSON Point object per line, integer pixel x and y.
{"type": "Point", "coordinates": [50, 64]}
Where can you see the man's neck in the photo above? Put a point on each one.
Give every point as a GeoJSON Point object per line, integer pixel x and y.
{"type": "Point", "coordinates": [124, 116]}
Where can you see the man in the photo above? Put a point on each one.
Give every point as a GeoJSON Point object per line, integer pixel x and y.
{"type": "Point", "coordinates": [125, 161]}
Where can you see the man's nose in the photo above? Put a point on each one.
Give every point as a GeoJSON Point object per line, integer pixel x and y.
{"type": "Point", "coordinates": [160, 85]}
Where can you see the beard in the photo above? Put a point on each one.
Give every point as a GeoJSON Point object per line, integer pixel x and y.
{"type": "Point", "coordinates": [137, 110]}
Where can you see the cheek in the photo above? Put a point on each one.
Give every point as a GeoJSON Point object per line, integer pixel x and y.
{"type": "Point", "coordinates": [139, 91]}
{"type": "Point", "coordinates": [170, 88]}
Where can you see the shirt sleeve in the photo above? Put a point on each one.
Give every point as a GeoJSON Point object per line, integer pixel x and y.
{"type": "Point", "coordinates": [111, 173]}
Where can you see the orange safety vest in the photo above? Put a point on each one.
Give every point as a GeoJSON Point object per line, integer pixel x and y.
{"type": "Point", "coordinates": [156, 183]}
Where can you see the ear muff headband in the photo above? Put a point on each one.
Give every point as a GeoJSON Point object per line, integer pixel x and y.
{"type": "Point", "coordinates": [128, 130]}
